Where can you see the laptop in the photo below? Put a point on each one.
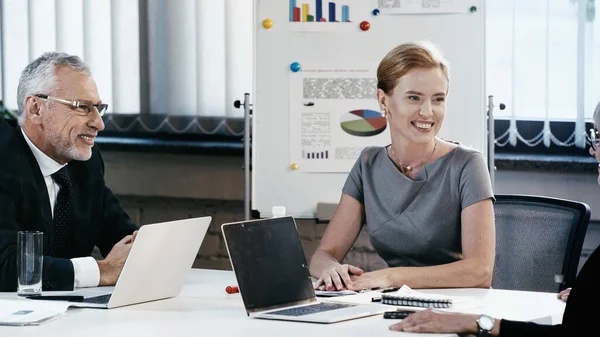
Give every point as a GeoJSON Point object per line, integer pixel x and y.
{"type": "Point", "coordinates": [272, 274]}
{"type": "Point", "coordinates": [157, 265]}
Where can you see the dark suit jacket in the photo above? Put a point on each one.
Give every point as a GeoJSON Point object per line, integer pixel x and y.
{"type": "Point", "coordinates": [24, 205]}
{"type": "Point", "coordinates": [581, 312]}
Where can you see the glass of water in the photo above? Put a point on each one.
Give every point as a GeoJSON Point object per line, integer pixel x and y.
{"type": "Point", "coordinates": [29, 262]}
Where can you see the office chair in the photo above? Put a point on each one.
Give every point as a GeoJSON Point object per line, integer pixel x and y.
{"type": "Point", "coordinates": [538, 242]}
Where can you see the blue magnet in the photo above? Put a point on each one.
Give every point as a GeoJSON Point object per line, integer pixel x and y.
{"type": "Point", "coordinates": [295, 67]}
{"type": "Point", "coordinates": [376, 11]}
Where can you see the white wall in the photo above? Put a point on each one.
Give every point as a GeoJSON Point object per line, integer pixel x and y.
{"type": "Point", "coordinates": [575, 186]}
{"type": "Point", "coordinates": [221, 177]}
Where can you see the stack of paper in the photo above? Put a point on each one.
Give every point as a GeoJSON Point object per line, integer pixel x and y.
{"type": "Point", "coordinates": [27, 312]}
{"type": "Point", "coordinates": [406, 291]}
{"type": "Point", "coordinates": [334, 293]}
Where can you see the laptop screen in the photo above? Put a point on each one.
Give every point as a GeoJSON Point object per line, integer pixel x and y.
{"type": "Point", "coordinates": [269, 262]}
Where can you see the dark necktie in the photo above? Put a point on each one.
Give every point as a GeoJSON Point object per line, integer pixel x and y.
{"type": "Point", "coordinates": [63, 214]}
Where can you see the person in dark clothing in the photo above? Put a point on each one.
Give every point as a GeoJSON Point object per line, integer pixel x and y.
{"type": "Point", "coordinates": [578, 319]}
{"type": "Point", "coordinates": [52, 179]}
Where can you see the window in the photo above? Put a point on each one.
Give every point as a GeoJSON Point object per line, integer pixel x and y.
{"type": "Point", "coordinates": [163, 66]}
{"type": "Point", "coordinates": [543, 62]}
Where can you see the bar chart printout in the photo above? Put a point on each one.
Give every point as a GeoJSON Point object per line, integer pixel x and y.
{"type": "Point", "coordinates": [323, 11]}
{"type": "Point", "coordinates": [323, 154]}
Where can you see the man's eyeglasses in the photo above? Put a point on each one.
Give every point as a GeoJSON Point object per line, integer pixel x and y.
{"type": "Point", "coordinates": [80, 108]}
{"type": "Point", "coordinates": [594, 138]}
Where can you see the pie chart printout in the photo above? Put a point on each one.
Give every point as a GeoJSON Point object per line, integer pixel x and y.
{"type": "Point", "coordinates": [363, 123]}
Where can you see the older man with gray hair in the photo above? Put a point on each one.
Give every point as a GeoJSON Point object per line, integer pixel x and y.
{"type": "Point", "coordinates": [52, 179]}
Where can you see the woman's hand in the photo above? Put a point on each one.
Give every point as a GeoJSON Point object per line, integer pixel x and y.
{"type": "Point", "coordinates": [370, 280]}
{"type": "Point", "coordinates": [564, 295]}
{"type": "Point", "coordinates": [337, 277]}
{"type": "Point", "coordinates": [437, 321]}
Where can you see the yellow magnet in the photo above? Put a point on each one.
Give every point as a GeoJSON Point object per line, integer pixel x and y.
{"type": "Point", "coordinates": [268, 23]}
{"type": "Point", "coordinates": [294, 166]}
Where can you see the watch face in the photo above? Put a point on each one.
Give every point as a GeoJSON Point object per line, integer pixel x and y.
{"type": "Point", "coordinates": [485, 322]}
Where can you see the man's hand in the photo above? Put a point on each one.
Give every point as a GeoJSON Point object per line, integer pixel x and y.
{"type": "Point", "coordinates": [564, 295]}
{"type": "Point", "coordinates": [110, 268]}
{"type": "Point", "coordinates": [438, 321]}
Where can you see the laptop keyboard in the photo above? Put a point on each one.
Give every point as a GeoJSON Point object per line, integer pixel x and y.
{"type": "Point", "coordinates": [102, 299]}
{"type": "Point", "coordinates": [310, 309]}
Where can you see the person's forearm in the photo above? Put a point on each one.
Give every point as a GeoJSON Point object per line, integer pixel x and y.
{"type": "Point", "coordinates": [508, 328]}
{"type": "Point", "coordinates": [460, 274]}
{"type": "Point", "coordinates": [320, 261]}
{"type": "Point", "coordinates": [106, 277]}
{"type": "Point", "coordinates": [496, 330]}
{"type": "Point", "coordinates": [473, 328]}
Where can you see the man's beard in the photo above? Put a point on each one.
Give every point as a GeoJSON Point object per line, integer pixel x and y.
{"type": "Point", "coordinates": [67, 149]}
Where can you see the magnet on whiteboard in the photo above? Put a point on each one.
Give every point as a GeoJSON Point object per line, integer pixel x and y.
{"type": "Point", "coordinates": [294, 166]}
{"type": "Point", "coordinates": [295, 67]}
{"type": "Point", "coordinates": [268, 23]}
{"type": "Point", "coordinates": [376, 11]}
{"type": "Point", "coordinates": [473, 9]}
{"type": "Point", "coordinates": [365, 25]}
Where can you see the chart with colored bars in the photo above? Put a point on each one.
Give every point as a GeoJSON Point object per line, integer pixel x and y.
{"type": "Point", "coordinates": [363, 123]}
{"type": "Point", "coordinates": [302, 12]}
{"type": "Point", "coordinates": [316, 154]}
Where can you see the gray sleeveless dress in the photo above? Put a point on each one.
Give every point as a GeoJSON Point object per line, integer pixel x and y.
{"type": "Point", "coordinates": [417, 222]}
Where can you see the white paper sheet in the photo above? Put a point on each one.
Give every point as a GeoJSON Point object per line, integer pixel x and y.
{"type": "Point", "coordinates": [28, 312]}
{"type": "Point", "coordinates": [424, 6]}
{"type": "Point", "coordinates": [334, 115]}
{"type": "Point", "coordinates": [324, 293]}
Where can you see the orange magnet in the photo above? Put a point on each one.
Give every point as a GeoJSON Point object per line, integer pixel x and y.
{"type": "Point", "coordinates": [294, 166]}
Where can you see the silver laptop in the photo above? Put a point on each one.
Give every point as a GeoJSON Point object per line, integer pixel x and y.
{"type": "Point", "coordinates": [272, 274]}
{"type": "Point", "coordinates": [157, 266]}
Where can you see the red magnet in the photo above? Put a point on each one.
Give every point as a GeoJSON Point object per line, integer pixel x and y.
{"type": "Point", "coordinates": [365, 25]}
{"type": "Point", "coordinates": [232, 289]}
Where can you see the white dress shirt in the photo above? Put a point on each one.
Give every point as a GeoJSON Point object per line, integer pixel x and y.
{"type": "Point", "coordinates": [86, 269]}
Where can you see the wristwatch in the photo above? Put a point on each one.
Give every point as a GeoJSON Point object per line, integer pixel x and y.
{"type": "Point", "coordinates": [485, 324]}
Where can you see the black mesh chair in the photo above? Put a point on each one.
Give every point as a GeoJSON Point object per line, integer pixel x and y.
{"type": "Point", "coordinates": [538, 242]}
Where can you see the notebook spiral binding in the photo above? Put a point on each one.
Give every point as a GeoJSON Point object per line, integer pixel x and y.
{"type": "Point", "coordinates": [410, 301]}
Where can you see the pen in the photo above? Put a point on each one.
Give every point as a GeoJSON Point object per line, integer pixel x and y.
{"type": "Point", "coordinates": [390, 289]}
{"type": "Point", "coordinates": [232, 289]}
{"type": "Point", "coordinates": [70, 298]}
{"type": "Point", "coordinates": [368, 289]}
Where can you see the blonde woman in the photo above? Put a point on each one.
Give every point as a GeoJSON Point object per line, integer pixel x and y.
{"type": "Point", "coordinates": [427, 203]}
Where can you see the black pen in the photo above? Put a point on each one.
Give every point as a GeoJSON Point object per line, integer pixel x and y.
{"type": "Point", "coordinates": [390, 289]}
{"type": "Point", "coordinates": [70, 298]}
{"type": "Point", "coordinates": [369, 289]}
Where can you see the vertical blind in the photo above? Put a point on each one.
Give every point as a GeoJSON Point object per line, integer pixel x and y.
{"type": "Point", "coordinates": [193, 57]}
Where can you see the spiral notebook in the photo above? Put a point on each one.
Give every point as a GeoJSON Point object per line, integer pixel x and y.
{"type": "Point", "coordinates": [407, 297]}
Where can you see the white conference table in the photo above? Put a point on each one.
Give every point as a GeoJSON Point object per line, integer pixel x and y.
{"type": "Point", "coordinates": [204, 309]}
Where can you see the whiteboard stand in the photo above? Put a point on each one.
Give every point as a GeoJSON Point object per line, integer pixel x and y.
{"type": "Point", "coordinates": [247, 168]}
{"type": "Point", "coordinates": [492, 138]}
